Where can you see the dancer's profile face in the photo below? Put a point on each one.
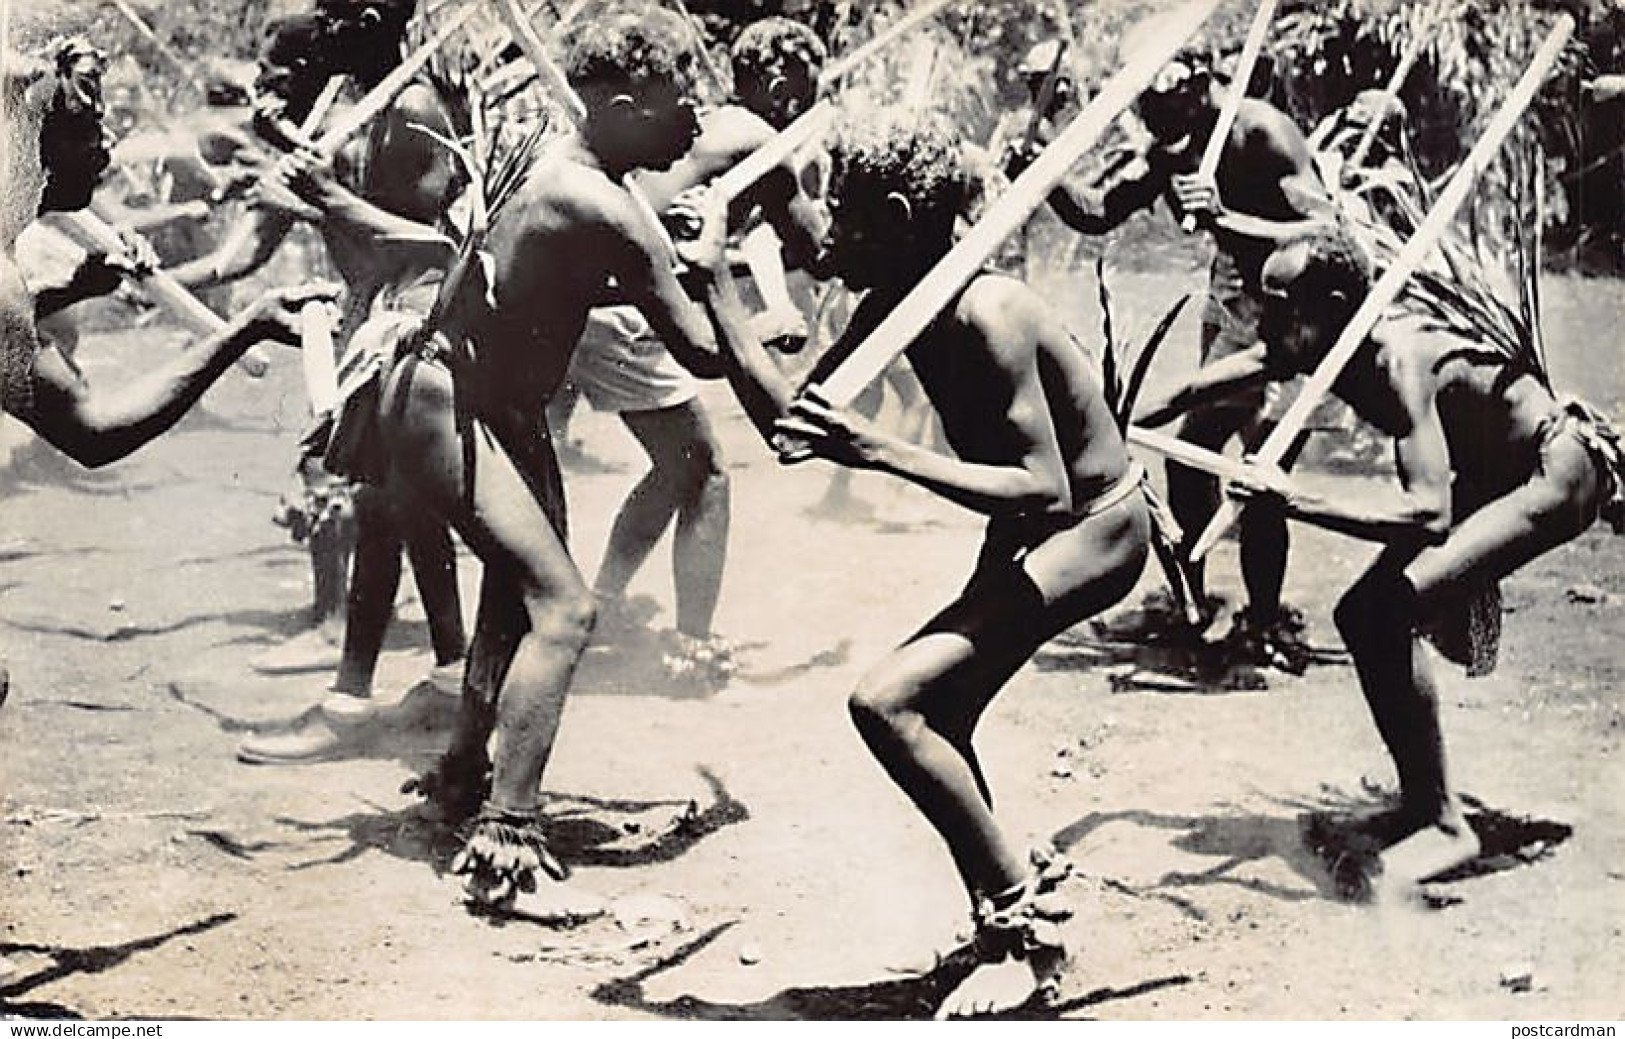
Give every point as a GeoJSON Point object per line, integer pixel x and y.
{"type": "Point", "coordinates": [867, 228]}
{"type": "Point", "coordinates": [664, 120]}
{"type": "Point", "coordinates": [73, 142]}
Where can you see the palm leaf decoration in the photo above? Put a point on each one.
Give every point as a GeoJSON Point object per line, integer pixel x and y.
{"type": "Point", "coordinates": [1120, 395]}
{"type": "Point", "coordinates": [1491, 256]}
{"type": "Point", "coordinates": [497, 156]}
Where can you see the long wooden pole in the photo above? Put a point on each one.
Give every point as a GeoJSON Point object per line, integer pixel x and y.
{"type": "Point", "coordinates": [1387, 289]}
{"type": "Point", "coordinates": [774, 152]}
{"type": "Point", "coordinates": [181, 64]}
{"type": "Point", "coordinates": [1045, 97]}
{"type": "Point", "coordinates": [94, 233]}
{"type": "Point", "coordinates": [1250, 50]}
{"type": "Point", "coordinates": [1029, 190]}
{"type": "Point", "coordinates": [389, 88]}
{"type": "Point", "coordinates": [91, 232]}
{"type": "Point", "coordinates": [1390, 93]}
{"type": "Point", "coordinates": [242, 232]}
{"type": "Point", "coordinates": [812, 123]}
{"type": "Point", "coordinates": [524, 33]}
{"type": "Point", "coordinates": [844, 66]}
{"type": "Point", "coordinates": [719, 79]}
{"type": "Point", "coordinates": [324, 103]}
{"type": "Point", "coordinates": [558, 85]}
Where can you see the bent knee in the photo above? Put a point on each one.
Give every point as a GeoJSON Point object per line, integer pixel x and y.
{"type": "Point", "coordinates": [563, 619]}
{"type": "Point", "coordinates": [1381, 600]}
{"type": "Point", "coordinates": [880, 711]}
{"type": "Point", "coordinates": [699, 467]}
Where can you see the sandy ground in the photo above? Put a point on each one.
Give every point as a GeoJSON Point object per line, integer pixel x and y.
{"type": "Point", "coordinates": [756, 863]}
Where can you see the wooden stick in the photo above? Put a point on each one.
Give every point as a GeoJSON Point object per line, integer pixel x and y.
{"type": "Point", "coordinates": [1390, 93]}
{"type": "Point", "coordinates": [389, 88]}
{"type": "Point", "coordinates": [242, 232]}
{"type": "Point", "coordinates": [558, 85]}
{"type": "Point", "coordinates": [524, 33]}
{"type": "Point", "coordinates": [91, 232]}
{"type": "Point", "coordinates": [182, 66]}
{"type": "Point", "coordinates": [493, 49]}
{"type": "Point", "coordinates": [837, 70]}
{"type": "Point", "coordinates": [1250, 50]}
{"type": "Point", "coordinates": [1392, 282]}
{"type": "Point", "coordinates": [1046, 97]}
{"type": "Point", "coordinates": [1195, 456]}
{"type": "Point", "coordinates": [148, 217]}
{"type": "Point", "coordinates": [323, 104]}
{"type": "Point", "coordinates": [774, 152]}
{"type": "Point", "coordinates": [317, 357]}
{"type": "Point", "coordinates": [921, 74]}
{"type": "Point", "coordinates": [1028, 192]}
{"type": "Point", "coordinates": [719, 79]}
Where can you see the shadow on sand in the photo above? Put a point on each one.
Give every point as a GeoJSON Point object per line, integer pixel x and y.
{"type": "Point", "coordinates": [92, 960]}
{"type": "Point", "coordinates": [582, 831]}
{"type": "Point", "coordinates": [1319, 844]}
{"type": "Point", "coordinates": [896, 999]}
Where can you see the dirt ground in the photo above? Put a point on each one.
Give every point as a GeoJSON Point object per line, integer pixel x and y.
{"type": "Point", "coordinates": [754, 861]}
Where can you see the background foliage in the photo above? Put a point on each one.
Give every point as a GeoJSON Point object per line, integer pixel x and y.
{"type": "Point", "coordinates": [1321, 53]}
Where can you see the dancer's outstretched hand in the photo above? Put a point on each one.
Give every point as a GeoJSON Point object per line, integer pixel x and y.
{"type": "Point", "coordinates": [275, 316]}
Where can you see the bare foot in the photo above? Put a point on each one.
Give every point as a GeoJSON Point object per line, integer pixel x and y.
{"type": "Point", "coordinates": [1004, 985]}
{"type": "Point", "coordinates": [1425, 854]}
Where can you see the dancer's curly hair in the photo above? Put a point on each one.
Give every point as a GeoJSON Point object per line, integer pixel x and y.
{"type": "Point", "coordinates": [916, 156]}
{"type": "Point", "coordinates": [1335, 263]}
{"type": "Point", "coordinates": [335, 37]}
{"type": "Point", "coordinates": [768, 44]}
{"type": "Point", "coordinates": [631, 47]}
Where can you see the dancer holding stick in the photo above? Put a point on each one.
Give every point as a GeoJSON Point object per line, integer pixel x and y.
{"type": "Point", "coordinates": [381, 232]}
{"type": "Point", "coordinates": [1278, 447]}
{"type": "Point", "coordinates": [1494, 470]}
{"type": "Point", "coordinates": [1035, 449]}
{"type": "Point", "coordinates": [1267, 190]}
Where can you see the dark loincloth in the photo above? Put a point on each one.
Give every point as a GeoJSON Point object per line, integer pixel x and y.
{"type": "Point", "coordinates": [1468, 631]}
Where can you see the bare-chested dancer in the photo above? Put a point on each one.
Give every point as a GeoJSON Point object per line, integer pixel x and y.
{"type": "Point", "coordinates": [53, 156]}
{"type": "Point", "coordinates": [1267, 190]}
{"type": "Point", "coordinates": [398, 176]}
{"type": "Point", "coordinates": [1034, 448]}
{"type": "Point", "coordinates": [57, 153]}
{"type": "Point", "coordinates": [462, 416]}
{"type": "Point", "coordinates": [620, 365]}
{"type": "Point", "coordinates": [1494, 470]}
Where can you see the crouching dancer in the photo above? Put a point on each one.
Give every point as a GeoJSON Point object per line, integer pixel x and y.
{"type": "Point", "coordinates": [1494, 470]}
{"type": "Point", "coordinates": [52, 112]}
{"type": "Point", "coordinates": [1035, 449]}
